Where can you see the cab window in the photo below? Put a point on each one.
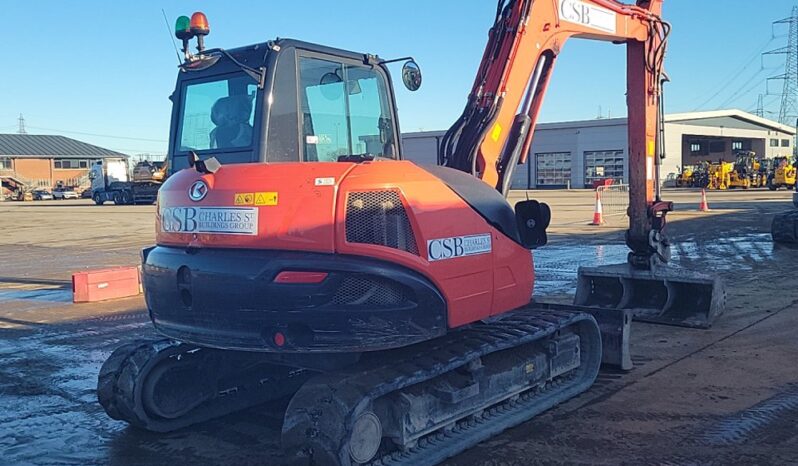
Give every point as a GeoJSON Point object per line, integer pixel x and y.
{"type": "Point", "coordinates": [218, 114]}
{"type": "Point", "coordinates": [345, 111]}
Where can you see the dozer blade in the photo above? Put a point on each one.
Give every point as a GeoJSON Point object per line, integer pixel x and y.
{"type": "Point", "coordinates": [665, 296]}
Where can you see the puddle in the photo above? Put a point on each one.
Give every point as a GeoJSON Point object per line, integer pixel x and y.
{"type": "Point", "coordinates": [556, 265]}
{"type": "Point", "coordinates": [58, 295]}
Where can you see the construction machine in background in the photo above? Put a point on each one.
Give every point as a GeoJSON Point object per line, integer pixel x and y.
{"type": "Point", "coordinates": [719, 175]}
{"type": "Point", "coordinates": [685, 178]}
{"type": "Point", "coordinates": [747, 171]}
{"type": "Point", "coordinates": [298, 254]}
{"type": "Point", "coordinates": [147, 170]}
{"type": "Point", "coordinates": [782, 174]}
{"type": "Point", "coordinates": [700, 176]}
{"type": "Point", "coordinates": [784, 228]}
{"type": "Point", "coordinates": [110, 181]}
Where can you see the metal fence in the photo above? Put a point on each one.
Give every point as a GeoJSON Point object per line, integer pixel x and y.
{"type": "Point", "coordinates": [614, 199]}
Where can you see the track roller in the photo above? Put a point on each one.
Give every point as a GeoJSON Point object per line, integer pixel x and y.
{"type": "Point", "coordinates": [164, 385]}
{"type": "Point", "coordinates": [422, 404]}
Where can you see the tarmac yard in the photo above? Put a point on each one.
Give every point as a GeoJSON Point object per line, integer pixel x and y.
{"type": "Point", "coordinates": [728, 395]}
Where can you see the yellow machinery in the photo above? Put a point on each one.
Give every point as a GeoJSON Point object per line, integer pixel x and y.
{"type": "Point", "coordinates": [747, 172]}
{"type": "Point", "coordinates": [720, 175]}
{"type": "Point", "coordinates": [783, 174]}
{"type": "Point", "coordinates": [685, 178]}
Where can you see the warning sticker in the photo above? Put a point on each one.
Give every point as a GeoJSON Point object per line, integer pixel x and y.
{"type": "Point", "coordinates": [266, 198]}
{"type": "Point", "coordinates": [326, 181]}
{"type": "Point", "coordinates": [496, 132]}
{"type": "Point", "coordinates": [244, 198]}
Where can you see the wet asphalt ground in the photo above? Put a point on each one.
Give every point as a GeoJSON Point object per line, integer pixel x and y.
{"type": "Point", "coordinates": [728, 395]}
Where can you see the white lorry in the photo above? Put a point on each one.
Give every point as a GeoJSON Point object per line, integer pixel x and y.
{"type": "Point", "coordinates": [110, 181]}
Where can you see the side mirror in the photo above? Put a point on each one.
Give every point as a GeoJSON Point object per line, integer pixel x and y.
{"type": "Point", "coordinates": [532, 218]}
{"type": "Point", "coordinates": [329, 91]}
{"type": "Point", "coordinates": [411, 75]}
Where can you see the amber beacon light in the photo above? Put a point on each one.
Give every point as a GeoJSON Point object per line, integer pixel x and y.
{"type": "Point", "coordinates": [200, 28]}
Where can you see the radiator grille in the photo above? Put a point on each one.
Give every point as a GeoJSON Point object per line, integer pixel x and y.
{"type": "Point", "coordinates": [356, 291]}
{"type": "Point", "coordinates": [378, 217]}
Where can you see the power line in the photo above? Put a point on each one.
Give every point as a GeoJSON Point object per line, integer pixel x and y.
{"type": "Point", "coordinates": [736, 74]}
{"type": "Point", "coordinates": [97, 135]}
{"type": "Point", "coordinates": [743, 90]}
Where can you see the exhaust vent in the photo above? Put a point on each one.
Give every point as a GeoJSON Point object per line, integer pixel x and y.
{"type": "Point", "coordinates": [356, 291]}
{"type": "Point", "coordinates": [378, 217]}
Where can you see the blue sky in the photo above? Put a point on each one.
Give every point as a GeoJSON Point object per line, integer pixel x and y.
{"type": "Point", "coordinates": [102, 71]}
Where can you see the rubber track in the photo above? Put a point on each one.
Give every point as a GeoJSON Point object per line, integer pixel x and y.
{"type": "Point", "coordinates": [438, 446]}
{"type": "Point", "coordinates": [322, 412]}
{"type": "Point", "coordinates": [121, 376]}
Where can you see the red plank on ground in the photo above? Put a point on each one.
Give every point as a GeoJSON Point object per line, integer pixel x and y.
{"type": "Point", "coordinates": [101, 284]}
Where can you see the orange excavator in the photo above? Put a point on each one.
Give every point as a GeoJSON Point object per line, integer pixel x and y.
{"type": "Point", "coordinates": [298, 254]}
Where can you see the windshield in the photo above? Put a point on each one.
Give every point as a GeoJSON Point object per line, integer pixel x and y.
{"type": "Point", "coordinates": [345, 111]}
{"type": "Point", "coordinates": [217, 114]}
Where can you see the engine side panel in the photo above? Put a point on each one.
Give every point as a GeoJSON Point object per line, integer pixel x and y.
{"type": "Point", "coordinates": [491, 275]}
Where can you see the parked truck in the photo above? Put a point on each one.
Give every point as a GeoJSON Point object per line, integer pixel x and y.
{"type": "Point", "coordinates": [110, 181]}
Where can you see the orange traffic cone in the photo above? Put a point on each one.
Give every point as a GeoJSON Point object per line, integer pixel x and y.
{"type": "Point", "coordinates": [598, 214]}
{"type": "Point", "coordinates": [703, 206]}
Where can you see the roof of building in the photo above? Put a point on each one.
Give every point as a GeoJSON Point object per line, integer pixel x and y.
{"type": "Point", "coordinates": [731, 118]}
{"type": "Point", "coordinates": [718, 117]}
{"type": "Point", "coordinates": [47, 146]}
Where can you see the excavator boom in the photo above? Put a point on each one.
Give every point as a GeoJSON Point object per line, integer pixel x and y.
{"type": "Point", "coordinates": [495, 132]}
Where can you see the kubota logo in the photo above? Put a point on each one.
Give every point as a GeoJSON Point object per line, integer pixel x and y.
{"type": "Point", "coordinates": [197, 191]}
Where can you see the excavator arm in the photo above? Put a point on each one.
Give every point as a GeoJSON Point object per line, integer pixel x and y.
{"type": "Point", "coordinates": [495, 131]}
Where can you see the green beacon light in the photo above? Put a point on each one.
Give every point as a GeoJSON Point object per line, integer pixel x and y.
{"type": "Point", "coordinates": [183, 32]}
{"type": "Point", "coordinates": [183, 28]}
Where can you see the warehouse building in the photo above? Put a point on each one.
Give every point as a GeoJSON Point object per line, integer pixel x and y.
{"type": "Point", "coordinates": [39, 161]}
{"type": "Point", "coordinates": [578, 153]}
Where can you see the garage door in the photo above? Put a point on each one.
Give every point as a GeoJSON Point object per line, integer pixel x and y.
{"type": "Point", "coordinates": [553, 169]}
{"type": "Point", "coordinates": [603, 164]}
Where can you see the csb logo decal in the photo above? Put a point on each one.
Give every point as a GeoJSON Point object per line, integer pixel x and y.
{"type": "Point", "coordinates": [458, 246]}
{"type": "Point", "coordinates": [576, 11]}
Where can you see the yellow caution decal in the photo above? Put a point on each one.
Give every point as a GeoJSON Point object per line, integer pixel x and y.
{"type": "Point", "coordinates": [266, 198]}
{"type": "Point", "coordinates": [496, 132]}
{"type": "Point", "coordinates": [244, 198]}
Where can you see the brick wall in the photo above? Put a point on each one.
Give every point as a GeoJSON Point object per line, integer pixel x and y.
{"type": "Point", "coordinates": [42, 169]}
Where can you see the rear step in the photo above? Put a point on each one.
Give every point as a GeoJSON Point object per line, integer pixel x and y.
{"type": "Point", "coordinates": [422, 404]}
{"type": "Point", "coordinates": [667, 295]}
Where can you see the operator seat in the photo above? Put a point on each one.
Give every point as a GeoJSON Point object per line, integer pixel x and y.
{"type": "Point", "coordinates": [486, 201]}
{"type": "Point", "coordinates": [231, 117]}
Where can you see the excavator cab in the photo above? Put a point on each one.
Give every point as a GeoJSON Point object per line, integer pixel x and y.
{"type": "Point", "coordinates": [285, 101]}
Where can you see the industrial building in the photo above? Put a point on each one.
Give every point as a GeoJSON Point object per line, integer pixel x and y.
{"type": "Point", "coordinates": [577, 153]}
{"type": "Point", "coordinates": [44, 161]}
